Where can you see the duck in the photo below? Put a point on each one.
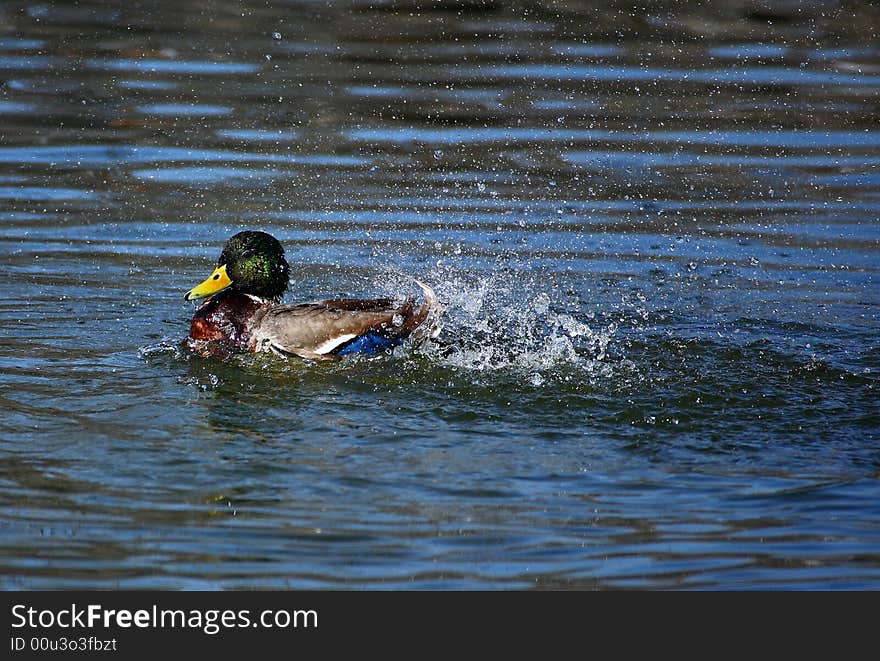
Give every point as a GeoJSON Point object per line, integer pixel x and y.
{"type": "Point", "coordinates": [243, 313]}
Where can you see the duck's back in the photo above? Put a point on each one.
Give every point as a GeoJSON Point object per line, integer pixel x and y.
{"type": "Point", "coordinates": [326, 328]}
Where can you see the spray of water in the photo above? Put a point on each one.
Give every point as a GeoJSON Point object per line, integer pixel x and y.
{"type": "Point", "coordinates": [505, 321]}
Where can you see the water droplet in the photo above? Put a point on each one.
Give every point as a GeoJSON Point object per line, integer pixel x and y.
{"type": "Point", "coordinates": [276, 36]}
{"type": "Point", "coordinates": [541, 303]}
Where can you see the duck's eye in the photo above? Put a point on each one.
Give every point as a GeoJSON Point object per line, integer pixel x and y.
{"type": "Point", "coordinates": [216, 276]}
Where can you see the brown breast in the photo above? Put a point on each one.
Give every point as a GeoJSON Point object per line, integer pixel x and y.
{"type": "Point", "coordinates": [226, 319]}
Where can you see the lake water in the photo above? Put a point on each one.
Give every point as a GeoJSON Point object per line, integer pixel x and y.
{"type": "Point", "coordinates": [655, 231]}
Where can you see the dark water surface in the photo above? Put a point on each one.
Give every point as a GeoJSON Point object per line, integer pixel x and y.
{"type": "Point", "coordinates": [655, 230]}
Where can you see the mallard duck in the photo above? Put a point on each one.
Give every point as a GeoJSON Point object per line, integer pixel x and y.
{"type": "Point", "coordinates": [243, 314]}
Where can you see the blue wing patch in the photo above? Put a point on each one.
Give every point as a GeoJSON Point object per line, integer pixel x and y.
{"type": "Point", "coordinates": [368, 345]}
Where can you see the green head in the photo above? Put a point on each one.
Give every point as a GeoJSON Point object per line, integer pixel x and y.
{"type": "Point", "coordinates": [251, 263]}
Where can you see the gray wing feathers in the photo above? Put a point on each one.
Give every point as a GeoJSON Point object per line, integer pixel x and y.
{"type": "Point", "coordinates": [315, 330]}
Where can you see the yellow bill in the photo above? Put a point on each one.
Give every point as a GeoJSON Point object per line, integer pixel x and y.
{"type": "Point", "coordinates": [217, 281]}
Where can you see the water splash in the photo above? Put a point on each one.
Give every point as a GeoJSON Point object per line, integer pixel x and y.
{"type": "Point", "coordinates": [167, 346]}
{"type": "Point", "coordinates": [509, 321]}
